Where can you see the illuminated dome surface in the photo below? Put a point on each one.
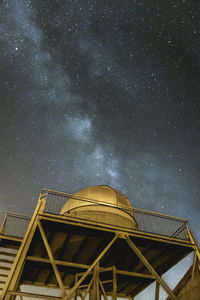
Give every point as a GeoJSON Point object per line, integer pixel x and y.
{"type": "Point", "coordinates": [101, 204]}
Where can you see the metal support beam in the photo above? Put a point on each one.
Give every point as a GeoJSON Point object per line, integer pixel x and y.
{"type": "Point", "coordinates": [88, 288]}
{"type": "Point", "coordinates": [94, 291]}
{"type": "Point", "coordinates": [150, 268]}
{"type": "Point", "coordinates": [76, 279]}
{"type": "Point", "coordinates": [114, 295]}
{"type": "Point", "coordinates": [157, 291]}
{"type": "Point", "coordinates": [96, 280]}
{"type": "Point", "coordinates": [58, 262]}
{"type": "Point", "coordinates": [136, 233]}
{"type": "Point", "coordinates": [50, 254]}
{"type": "Point", "coordinates": [197, 250]}
{"type": "Point", "coordinates": [134, 274]}
{"type": "Point", "coordinates": [17, 267]}
{"type": "Point", "coordinates": [69, 296]}
{"type": "Point", "coordinates": [194, 266]}
{"type": "Point", "coordinates": [103, 291]}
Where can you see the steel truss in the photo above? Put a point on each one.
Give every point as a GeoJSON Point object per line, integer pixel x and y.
{"type": "Point", "coordinates": [87, 282]}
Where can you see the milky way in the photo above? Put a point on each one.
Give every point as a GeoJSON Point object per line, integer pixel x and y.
{"type": "Point", "coordinates": [101, 92]}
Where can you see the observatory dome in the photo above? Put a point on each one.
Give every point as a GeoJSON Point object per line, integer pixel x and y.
{"type": "Point", "coordinates": [101, 204]}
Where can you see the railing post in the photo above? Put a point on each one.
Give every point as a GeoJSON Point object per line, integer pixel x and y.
{"type": "Point", "coordinates": [3, 224]}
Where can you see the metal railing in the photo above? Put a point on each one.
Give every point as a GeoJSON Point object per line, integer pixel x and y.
{"type": "Point", "coordinates": [54, 201]}
{"type": "Point", "coordinates": [160, 224]}
{"type": "Point", "coordinates": [147, 221]}
{"type": "Point", "coordinates": [14, 225]}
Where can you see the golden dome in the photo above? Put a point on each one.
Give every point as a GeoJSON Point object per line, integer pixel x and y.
{"type": "Point", "coordinates": [101, 204]}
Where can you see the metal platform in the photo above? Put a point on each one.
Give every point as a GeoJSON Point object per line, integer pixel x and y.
{"type": "Point", "coordinates": [66, 252]}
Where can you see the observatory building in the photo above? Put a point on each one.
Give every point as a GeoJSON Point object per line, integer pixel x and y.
{"type": "Point", "coordinates": [93, 245]}
{"type": "Point", "coordinates": [116, 209]}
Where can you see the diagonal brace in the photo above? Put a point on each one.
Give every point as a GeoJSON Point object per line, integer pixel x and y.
{"type": "Point", "coordinates": [150, 268]}
{"type": "Point", "coordinates": [103, 291]}
{"type": "Point", "coordinates": [50, 254]}
{"type": "Point", "coordinates": [69, 295]}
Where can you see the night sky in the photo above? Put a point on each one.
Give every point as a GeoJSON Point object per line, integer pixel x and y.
{"type": "Point", "coordinates": [101, 92]}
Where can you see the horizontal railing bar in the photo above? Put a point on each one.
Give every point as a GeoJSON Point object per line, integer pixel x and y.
{"type": "Point", "coordinates": [149, 212]}
{"type": "Point", "coordinates": [17, 215]}
{"type": "Point", "coordinates": [147, 221]}
{"type": "Point", "coordinates": [84, 199]}
{"type": "Point", "coordinates": [96, 202]}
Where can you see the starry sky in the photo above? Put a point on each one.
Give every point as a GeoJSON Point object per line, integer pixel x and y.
{"type": "Point", "coordinates": [101, 92]}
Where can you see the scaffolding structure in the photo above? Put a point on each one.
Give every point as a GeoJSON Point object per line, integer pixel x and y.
{"type": "Point", "coordinates": [84, 258]}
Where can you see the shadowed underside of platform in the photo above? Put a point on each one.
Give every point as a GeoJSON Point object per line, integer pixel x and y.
{"type": "Point", "coordinates": [76, 247]}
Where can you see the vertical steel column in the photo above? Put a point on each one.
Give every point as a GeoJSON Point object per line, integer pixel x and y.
{"type": "Point", "coordinates": [192, 274]}
{"type": "Point", "coordinates": [196, 248]}
{"type": "Point", "coordinates": [76, 279]}
{"type": "Point", "coordinates": [17, 267]}
{"type": "Point", "coordinates": [157, 290]}
{"type": "Point", "coordinates": [114, 295]}
{"type": "Point", "coordinates": [94, 291]}
{"type": "Point", "coordinates": [96, 280]}
{"type": "Point", "coordinates": [193, 267]}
